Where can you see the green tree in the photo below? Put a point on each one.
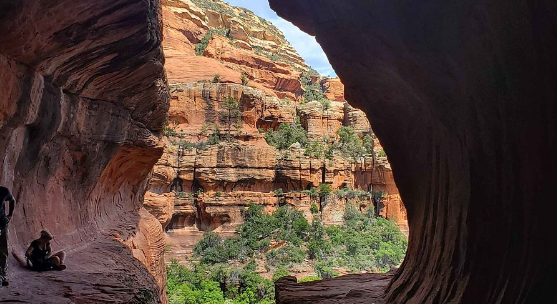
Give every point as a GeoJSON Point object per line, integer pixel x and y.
{"type": "Point", "coordinates": [286, 135]}
{"type": "Point", "coordinates": [316, 148]}
{"type": "Point", "coordinates": [230, 115]}
{"type": "Point", "coordinates": [350, 143]}
{"type": "Point", "coordinates": [368, 144]}
{"type": "Point", "coordinates": [312, 89]}
{"type": "Point", "coordinates": [280, 272]}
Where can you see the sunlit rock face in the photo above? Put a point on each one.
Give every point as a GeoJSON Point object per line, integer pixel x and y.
{"type": "Point", "coordinates": [252, 46]}
{"type": "Point", "coordinates": [82, 98]}
{"type": "Point", "coordinates": [231, 176]}
{"type": "Point", "coordinates": [462, 96]}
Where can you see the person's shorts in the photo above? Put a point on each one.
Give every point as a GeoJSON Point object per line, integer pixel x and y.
{"type": "Point", "coordinates": [40, 265]}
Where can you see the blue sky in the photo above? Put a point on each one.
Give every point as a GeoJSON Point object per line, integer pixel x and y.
{"type": "Point", "coordinates": [305, 44]}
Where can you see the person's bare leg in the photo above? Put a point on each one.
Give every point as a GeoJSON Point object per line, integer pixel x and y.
{"type": "Point", "coordinates": [54, 260]}
{"type": "Point", "coordinates": [61, 255]}
{"type": "Point", "coordinates": [57, 260]}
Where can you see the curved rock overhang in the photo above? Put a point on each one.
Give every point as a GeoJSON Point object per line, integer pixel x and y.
{"type": "Point", "coordinates": [462, 95]}
{"type": "Point", "coordinates": [83, 96]}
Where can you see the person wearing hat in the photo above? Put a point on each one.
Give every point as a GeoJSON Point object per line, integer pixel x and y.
{"type": "Point", "coordinates": [38, 254]}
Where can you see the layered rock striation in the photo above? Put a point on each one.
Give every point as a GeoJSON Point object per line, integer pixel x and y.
{"type": "Point", "coordinates": [463, 100]}
{"type": "Point", "coordinates": [235, 42]}
{"type": "Point", "coordinates": [83, 97]}
{"type": "Point", "coordinates": [218, 181]}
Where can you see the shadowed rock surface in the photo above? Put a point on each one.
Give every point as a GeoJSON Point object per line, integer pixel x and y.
{"type": "Point", "coordinates": [462, 96]}
{"type": "Point", "coordinates": [83, 96]}
{"type": "Point", "coordinates": [353, 288]}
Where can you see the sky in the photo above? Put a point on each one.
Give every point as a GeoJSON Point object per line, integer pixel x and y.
{"type": "Point", "coordinates": [305, 44]}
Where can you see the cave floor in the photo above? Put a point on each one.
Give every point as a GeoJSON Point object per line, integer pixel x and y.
{"type": "Point", "coordinates": [92, 276]}
{"type": "Point", "coordinates": [366, 288]}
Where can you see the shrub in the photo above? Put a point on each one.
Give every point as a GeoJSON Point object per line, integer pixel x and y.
{"type": "Point", "coordinates": [368, 143]}
{"type": "Point", "coordinates": [244, 78]}
{"type": "Point", "coordinates": [316, 148]}
{"type": "Point", "coordinates": [214, 139]}
{"type": "Point", "coordinates": [216, 78]}
{"type": "Point", "coordinates": [286, 135]}
{"type": "Point", "coordinates": [312, 90]}
{"type": "Point", "coordinates": [324, 271]}
{"type": "Point", "coordinates": [286, 255]}
{"type": "Point", "coordinates": [280, 272]}
{"type": "Point", "coordinates": [324, 190]}
{"type": "Point", "coordinates": [170, 132]}
{"type": "Point", "coordinates": [309, 279]}
{"type": "Point", "coordinates": [350, 143]}
{"type": "Point", "coordinates": [314, 209]}
{"type": "Point", "coordinates": [202, 45]}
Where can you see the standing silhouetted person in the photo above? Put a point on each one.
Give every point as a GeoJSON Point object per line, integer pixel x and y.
{"type": "Point", "coordinates": [5, 196]}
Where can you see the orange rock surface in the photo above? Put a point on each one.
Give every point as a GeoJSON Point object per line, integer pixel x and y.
{"type": "Point", "coordinates": [83, 96]}
{"type": "Point", "coordinates": [248, 49]}
{"type": "Point", "coordinates": [231, 175]}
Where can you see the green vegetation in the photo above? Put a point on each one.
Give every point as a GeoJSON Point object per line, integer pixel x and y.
{"type": "Point", "coordinates": [167, 131]}
{"type": "Point", "coordinates": [364, 243]}
{"type": "Point", "coordinates": [216, 78]}
{"type": "Point", "coordinates": [368, 143]}
{"type": "Point", "coordinates": [317, 148]}
{"type": "Point", "coordinates": [324, 190]}
{"type": "Point", "coordinates": [351, 146]}
{"type": "Point", "coordinates": [347, 193]}
{"type": "Point", "coordinates": [216, 6]}
{"type": "Point", "coordinates": [213, 139]}
{"type": "Point", "coordinates": [230, 115]}
{"type": "Point", "coordinates": [286, 135]}
{"type": "Point", "coordinates": [312, 90]}
{"type": "Point", "coordinates": [205, 284]}
{"type": "Point", "coordinates": [278, 192]}
{"type": "Point", "coordinates": [202, 45]}
{"type": "Point", "coordinates": [244, 78]}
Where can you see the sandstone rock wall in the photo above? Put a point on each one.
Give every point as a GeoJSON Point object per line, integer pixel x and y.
{"type": "Point", "coordinates": [464, 104]}
{"type": "Point", "coordinates": [82, 96]}
{"type": "Point", "coordinates": [253, 47]}
{"type": "Point", "coordinates": [219, 181]}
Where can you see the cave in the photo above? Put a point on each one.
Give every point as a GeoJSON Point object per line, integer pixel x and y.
{"type": "Point", "coordinates": [83, 97]}
{"type": "Point", "coordinates": [462, 96]}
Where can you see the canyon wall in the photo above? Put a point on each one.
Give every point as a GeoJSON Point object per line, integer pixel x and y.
{"type": "Point", "coordinates": [219, 180]}
{"type": "Point", "coordinates": [463, 98]}
{"type": "Point", "coordinates": [83, 97]}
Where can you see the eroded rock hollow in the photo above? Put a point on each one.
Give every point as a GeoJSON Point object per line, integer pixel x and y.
{"type": "Point", "coordinates": [462, 96]}
{"type": "Point", "coordinates": [82, 97]}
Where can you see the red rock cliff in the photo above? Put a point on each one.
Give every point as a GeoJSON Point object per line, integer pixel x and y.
{"type": "Point", "coordinates": [82, 97]}
{"type": "Point", "coordinates": [463, 98]}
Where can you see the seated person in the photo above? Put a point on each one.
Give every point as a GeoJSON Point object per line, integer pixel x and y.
{"type": "Point", "coordinates": [38, 254]}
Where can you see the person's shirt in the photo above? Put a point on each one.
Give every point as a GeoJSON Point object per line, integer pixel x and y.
{"type": "Point", "coordinates": [39, 254]}
{"type": "Point", "coordinates": [5, 195]}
